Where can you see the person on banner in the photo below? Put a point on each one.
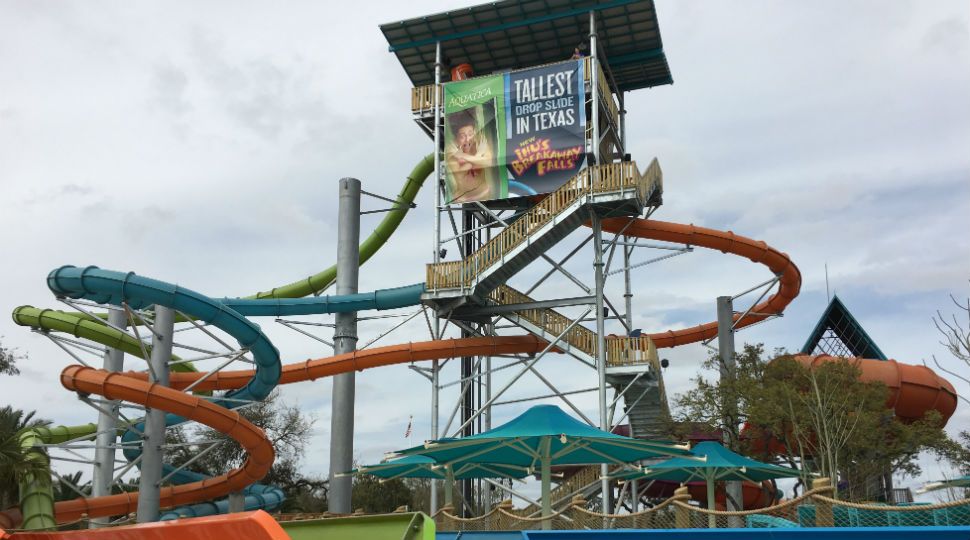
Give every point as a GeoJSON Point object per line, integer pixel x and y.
{"type": "Point", "coordinates": [468, 157]}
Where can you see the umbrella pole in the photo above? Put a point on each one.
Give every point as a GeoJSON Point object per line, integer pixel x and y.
{"type": "Point", "coordinates": [711, 504]}
{"type": "Point", "coordinates": [449, 487]}
{"type": "Point", "coordinates": [546, 473]}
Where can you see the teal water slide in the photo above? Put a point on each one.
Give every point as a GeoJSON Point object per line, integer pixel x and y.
{"type": "Point", "coordinates": [228, 314]}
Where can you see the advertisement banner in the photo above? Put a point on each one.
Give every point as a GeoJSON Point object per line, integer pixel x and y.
{"type": "Point", "coordinates": [514, 134]}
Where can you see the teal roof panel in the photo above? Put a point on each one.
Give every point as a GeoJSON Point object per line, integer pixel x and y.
{"type": "Point", "coordinates": [516, 34]}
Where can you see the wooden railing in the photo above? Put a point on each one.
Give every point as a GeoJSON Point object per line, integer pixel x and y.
{"type": "Point", "coordinates": [595, 179]}
{"type": "Point", "coordinates": [549, 320]}
{"type": "Point", "coordinates": [620, 351]}
{"type": "Point", "coordinates": [567, 488]}
{"type": "Point", "coordinates": [604, 90]}
{"type": "Point", "coordinates": [422, 98]}
{"type": "Point", "coordinates": [627, 351]}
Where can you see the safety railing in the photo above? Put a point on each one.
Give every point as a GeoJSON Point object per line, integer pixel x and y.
{"type": "Point", "coordinates": [549, 320]}
{"type": "Point", "coordinates": [605, 94]}
{"type": "Point", "coordinates": [422, 98]}
{"type": "Point", "coordinates": [627, 351]}
{"type": "Point", "coordinates": [605, 178]}
{"type": "Point", "coordinates": [814, 508]}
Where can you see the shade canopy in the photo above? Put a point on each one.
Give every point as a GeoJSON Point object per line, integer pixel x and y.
{"type": "Point", "coordinates": [721, 464]}
{"type": "Point", "coordinates": [539, 438]}
{"type": "Point", "coordinates": [425, 467]}
{"type": "Point", "coordinates": [571, 442]}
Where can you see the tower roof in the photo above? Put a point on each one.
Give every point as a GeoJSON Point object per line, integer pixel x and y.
{"type": "Point", "coordinates": [515, 34]}
{"type": "Point", "coordinates": [838, 333]}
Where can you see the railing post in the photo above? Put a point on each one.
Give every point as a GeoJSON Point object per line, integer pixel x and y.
{"type": "Point", "coordinates": [575, 511]}
{"type": "Point", "coordinates": [824, 516]}
{"type": "Point", "coordinates": [681, 514]}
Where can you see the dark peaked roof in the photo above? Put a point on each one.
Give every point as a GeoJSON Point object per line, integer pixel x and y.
{"type": "Point", "coordinates": [515, 34]}
{"type": "Point", "coordinates": [838, 333]}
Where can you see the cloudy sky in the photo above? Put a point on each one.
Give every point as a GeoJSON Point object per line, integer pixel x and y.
{"type": "Point", "coordinates": [200, 143]}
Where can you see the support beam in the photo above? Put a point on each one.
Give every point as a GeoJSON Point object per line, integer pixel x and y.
{"type": "Point", "coordinates": [149, 484]}
{"type": "Point", "coordinates": [601, 341]}
{"type": "Point", "coordinates": [344, 341]}
{"type": "Point", "coordinates": [436, 194]}
{"type": "Point", "coordinates": [725, 347]}
{"type": "Point", "coordinates": [499, 309]}
{"type": "Point", "coordinates": [104, 453]}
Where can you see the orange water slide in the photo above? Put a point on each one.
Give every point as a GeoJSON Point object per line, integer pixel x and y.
{"type": "Point", "coordinates": [790, 279]}
{"type": "Point", "coordinates": [134, 388]}
{"type": "Point", "coordinates": [256, 525]}
{"type": "Point", "coordinates": [913, 390]}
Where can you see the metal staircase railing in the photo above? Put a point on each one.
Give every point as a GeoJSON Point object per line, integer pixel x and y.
{"type": "Point", "coordinates": [596, 179]}
{"type": "Point", "coordinates": [620, 351]}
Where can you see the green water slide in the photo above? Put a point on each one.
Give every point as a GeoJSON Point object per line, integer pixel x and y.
{"type": "Point", "coordinates": [36, 497]}
{"type": "Point", "coordinates": [402, 526]}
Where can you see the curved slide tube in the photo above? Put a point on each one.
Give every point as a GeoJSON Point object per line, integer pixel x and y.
{"type": "Point", "coordinates": [134, 387]}
{"type": "Point", "coordinates": [320, 281]}
{"type": "Point", "coordinates": [117, 288]}
{"type": "Point", "coordinates": [95, 329]}
{"type": "Point", "coordinates": [726, 242]}
{"type": "Point", "coordinates": [913, 390]}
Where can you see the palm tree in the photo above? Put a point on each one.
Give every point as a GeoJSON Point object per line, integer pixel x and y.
{"type": "Point", "coordinates": [14, 464]}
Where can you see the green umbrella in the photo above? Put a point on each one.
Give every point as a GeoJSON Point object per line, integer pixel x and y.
{"type": "Point", "coordinates": [720, 465]}
{"type": "Point", "coordinates": [425, 467]}
{"type": "Point", "coordinates": [539, 438]}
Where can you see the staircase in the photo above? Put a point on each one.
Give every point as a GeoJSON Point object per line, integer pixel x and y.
{"type": "Point", "coordinates": [632, 364]}
{"type": "Point", "coordinates": [616, 189]}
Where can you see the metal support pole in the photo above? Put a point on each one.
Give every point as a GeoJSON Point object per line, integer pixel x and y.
{"type": "Point", "coordinates": [152, 453]}
{"type": "Point", "coordinates": [104, 453]}
{"type": "Point", "coordinates": [623, 121]}
{"type": "Point", "coordinates": [467, 368]}
{"type": "Point", "coordinates": [237, 502]}
{"type": "Point", "coordinates": [437, 145]}
{"type": "Point", "coordinates": [435, 388]}
{"type": "Point", "coordinates": [546, 474]}
{"type": "Point", "coordinates": [601, 344]}
{"type": "Point", "coordinates": [725, 347]}
{"type": "Point", "coordinates": [628, 301]}
{"type": "Point", "coordinates": [435, 367]}
{"type": "Point", "coordinates": [344, 341]}
{"type": "Point", "coordinates": [594, 78]}
{"type": "Point", "coordinates": [627, 287]}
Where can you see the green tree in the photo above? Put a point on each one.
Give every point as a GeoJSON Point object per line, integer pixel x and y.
{"type": "Point", "coordinates": [825, 418]}
{"type": "Point", "coordinates": [721, 405]}
{"type": "Point", "coordinates": [8, 360]}
{"type": "Point", "coordinates": [286, 427]}
{"type": "Point", "coordinates": [14, 464]}
{"type": "Point", "coordinates": [376, 496]}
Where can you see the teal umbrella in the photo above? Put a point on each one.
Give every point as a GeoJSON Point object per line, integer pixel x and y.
{"type": "Point", "coordinates": [425, 467]}
{"type": "Point", "coordinates": [719, 465]}
{"type": "Point", "coordinates": [540, 438]}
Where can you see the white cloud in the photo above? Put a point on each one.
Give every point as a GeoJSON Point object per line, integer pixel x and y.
{"type": "Point", "coordinates": [201, 145]}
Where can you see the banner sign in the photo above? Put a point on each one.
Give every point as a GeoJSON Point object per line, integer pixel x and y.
{"type": "Point", "coordinates": [514, 134]}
